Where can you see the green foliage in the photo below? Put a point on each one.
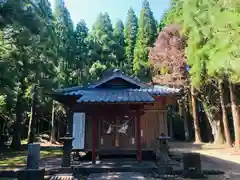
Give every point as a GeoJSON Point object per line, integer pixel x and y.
{"type": "Point", "coordinates": [20, 13]}
{"type": "Point", "coordinates": [81, 51]}
{"type": "Point", "coordinates": [162, 22]}
{"type": "Point", "coordinates": [146, 36]}
{"type": "Point", "coordinates": [40, 47]}
{"type": "Point", "coordinates": [205, 23]}
{"type": "Point", "coordinates": [119, 47]}
{"type": "Point", "coordinates": [97, 69]}
{"type": "Point", "coordinates": [212, 32]}
{"type": "Point", "coordinates": [130, 35]}
{"type": "Point", "coordinates": [101, 41]}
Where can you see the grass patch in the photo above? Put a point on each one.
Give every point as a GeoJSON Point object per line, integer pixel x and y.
{"type": "Point", "coordinates": [19, 158]}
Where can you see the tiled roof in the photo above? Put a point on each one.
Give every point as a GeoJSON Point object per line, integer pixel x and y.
{"type": "Point", "coordinates": [116, 73]}
{"type": "Point", "coordinates": [127, 95]}
{"type": "Point", "coordinates": [159, 90]}
{"type": "Point", "coordinates": [153, 90]}
{"type": "Point", "coordinates": [92, 93]}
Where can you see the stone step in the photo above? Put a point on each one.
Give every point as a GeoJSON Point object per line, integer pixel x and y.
{"type": "Point", "coordinates": [61, 177]}
{"type": "Point", "coordinates": [105, 169]}
{"type": "Point", "coordinates": [117, 176]}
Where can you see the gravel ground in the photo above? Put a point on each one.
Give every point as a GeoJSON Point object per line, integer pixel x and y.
{"type": "Point", "coordinates": [138, 176]}
{"type": "Point", "coordinates": [232, 170]}
{"type": "Point", "coordinates": [221, 177]}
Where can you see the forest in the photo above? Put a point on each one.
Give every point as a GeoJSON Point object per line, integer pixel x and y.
{"type": "Point", "coordinates": [193, 47]}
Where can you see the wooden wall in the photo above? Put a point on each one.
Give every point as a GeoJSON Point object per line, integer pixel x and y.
{"type": "Point", "coordinates": [88, 131]}
{"type": "Point", "coordinates": [153, 123]}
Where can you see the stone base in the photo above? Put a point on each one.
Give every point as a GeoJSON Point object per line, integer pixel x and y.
{"type": "Point", "coordinates": [164, 169]}
{"type": "Point", "coordinates": [193, 174]}
{"type": "Point", "coordinates": [31, 174]}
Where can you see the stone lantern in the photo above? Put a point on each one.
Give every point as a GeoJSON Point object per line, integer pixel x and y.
{"type": "Point", "coordinates": [67, 149]}
{"type": "Point", "coordinates": [164, 163]}
{"type": "Point", "coordinates": [162, 153]}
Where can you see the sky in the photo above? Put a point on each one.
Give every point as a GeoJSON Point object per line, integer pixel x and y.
{"type": "Point", "coordinates": [117, 9]}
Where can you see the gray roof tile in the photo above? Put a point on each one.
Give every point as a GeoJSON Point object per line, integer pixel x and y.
{"type": "Point", "coordinates": [114, 96]}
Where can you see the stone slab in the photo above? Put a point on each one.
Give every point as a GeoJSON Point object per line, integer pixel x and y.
{"type": "Point", "coordinates": [114, 166]}
{"type": "Point", "coordinates": [31, 174]}
{"type": "Point", "coordinates": [117, 176]}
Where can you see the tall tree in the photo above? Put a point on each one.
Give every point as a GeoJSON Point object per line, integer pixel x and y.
{"type": "Point", "coordinates": [130, 35]}
{"type": "Point", "coordinates": [101, 41]}
{"type": "Point", "coordinates": [32, 120]}
{"type": "Point", "coordinates": [147, 33]}
{"type": "Point", "coordinates": [118, 33]}
{"type": "Point", "coordinates": [168, 63]}
{"type": "Point", "coordinates": [30, 61]}
{"type": "Point", "coordinates": [58, 6]}
{"type": "Point", "coordinates": [162, 22]}
{"type": "Point", "coordinates": [224, 112]}
{"type": "Point", "coordinates": [210, 58]}
{"type": "Point", "coordinates": [66, 44]}
{"type": "Point", "coordinates": [53, 124]}
{"type": "Point", "coordinates": [27, 54]}
{"type": "Point", "coordinates": [81, 53]}
{"type": "Point", "coordinates": [19, 13]}
{"type": "Point", "coordinates": [198, 138]}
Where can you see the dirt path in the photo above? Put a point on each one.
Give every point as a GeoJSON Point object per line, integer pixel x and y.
{"type": "Point", "coordinates": [213, 157]}
{"type": "Point", "coordinates": [231, 169]}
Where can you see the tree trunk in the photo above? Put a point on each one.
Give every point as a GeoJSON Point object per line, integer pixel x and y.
{"type": "Point", "coordinates": [215, 123]}
{"type": "Point", "coordinates": [185, 118]}
{"type": "Point", "coordinates": [198, 138]}
{"type": "Point", "coordinates": [224, 115]}
{"type": "Point", "coordinates": [17, 129]}
{"type": "Point", "coordinates": [235, 115]}
{"type": "Point", "coordinates": [33, 119]}
{"type": "Point", "coordinates": [53, 130]}
{"type": "Point", "coordinates": [183, 114]}
{"type": "Point", "coordinates": [58, 131]}
{"type": "Point", "coordinates": [218, 134]}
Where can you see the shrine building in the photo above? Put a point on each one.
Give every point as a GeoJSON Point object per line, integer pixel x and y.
{"type": "Point", "coordinates": [117, 114]}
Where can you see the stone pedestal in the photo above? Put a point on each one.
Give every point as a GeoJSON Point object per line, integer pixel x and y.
{"type": "Point", "coordinates": [192, 165]}
{"type": "Point", "coordinates": [33, 157]}
{"type": "Point", "coordinates": [67, 149]}
{"type": "Point", "coordinates": [31, 174]}
{"type": "Point", "coordinates": [32, 171]}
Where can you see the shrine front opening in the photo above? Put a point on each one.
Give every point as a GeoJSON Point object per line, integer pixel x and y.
{"type": "Point", "coordinates": [112, 128]}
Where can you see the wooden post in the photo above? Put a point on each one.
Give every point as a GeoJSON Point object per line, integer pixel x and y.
{"type": "Point", "coordinates": [94, 139]}
{"type": "Point", "coordinates": [138, 134]}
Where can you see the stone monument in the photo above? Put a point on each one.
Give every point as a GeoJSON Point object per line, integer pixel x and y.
{"type": "Point", "coordinates": [32, 170]}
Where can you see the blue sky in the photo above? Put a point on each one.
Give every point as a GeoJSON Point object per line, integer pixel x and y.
{"type": "Point", "coordinates": [117, 9]}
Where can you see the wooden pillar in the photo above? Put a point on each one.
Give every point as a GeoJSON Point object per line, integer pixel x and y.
{"type": "Point", "coordinates": [138, 136]}
{"type": "Point", "coordinates": [170, 121]}
{"type": "Point", "coordinates": [94, 139]}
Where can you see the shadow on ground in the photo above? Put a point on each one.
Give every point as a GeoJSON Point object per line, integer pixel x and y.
{"type": "Point", "coordinates": [232, 170]}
